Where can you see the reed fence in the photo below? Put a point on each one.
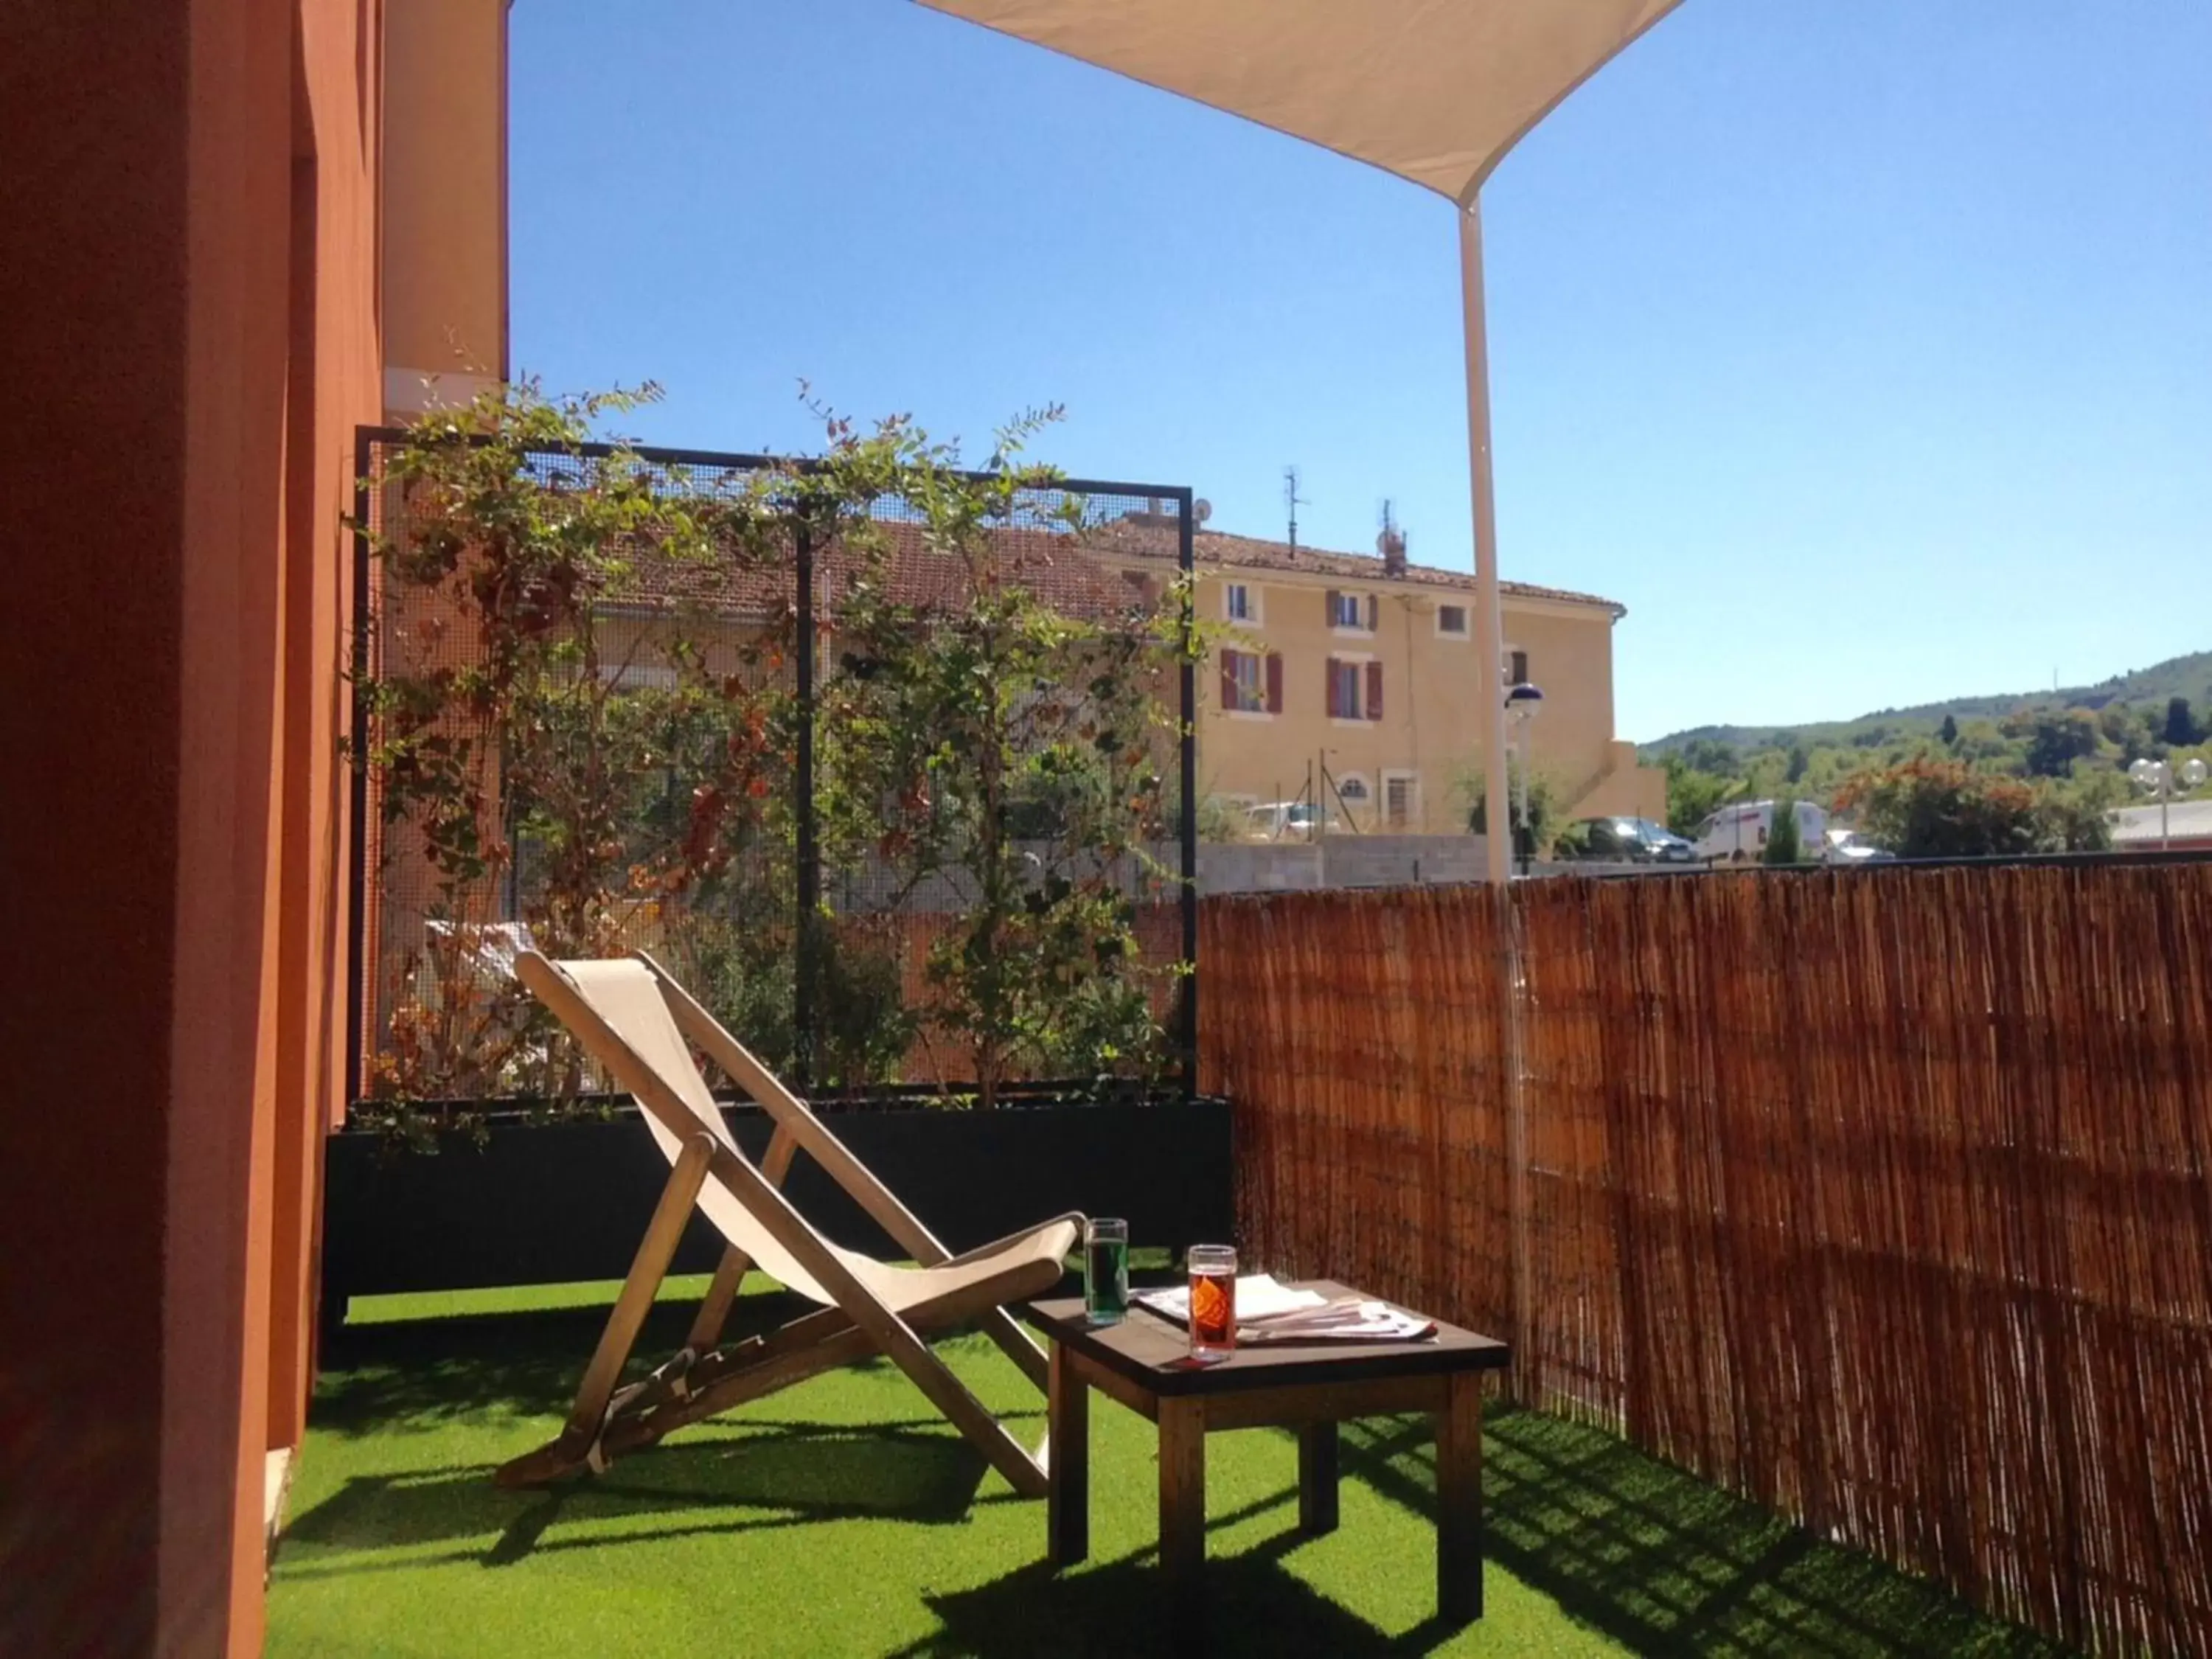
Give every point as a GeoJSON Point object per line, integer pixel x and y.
{"type": "Point", "coordinates": [1880, 1197]}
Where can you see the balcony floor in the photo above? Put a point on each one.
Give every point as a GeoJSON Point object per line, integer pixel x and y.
{"type": "Point", "coordinates": [842, 1516]}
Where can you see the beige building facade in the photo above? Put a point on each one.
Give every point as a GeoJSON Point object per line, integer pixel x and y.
{"type": "Point", "coordinates": [1353, 678]}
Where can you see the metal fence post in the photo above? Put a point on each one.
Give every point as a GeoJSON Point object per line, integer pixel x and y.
{"type": "Point", "coordinates": [808, 853]}
{"type": "Point", "coordinates": [1186, 828]}
{"type": "Point", "coordinates": [357, 1009]}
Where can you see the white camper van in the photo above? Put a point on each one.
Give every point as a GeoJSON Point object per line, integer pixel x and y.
{"type": "Point", "coordinates": [1737, 834]}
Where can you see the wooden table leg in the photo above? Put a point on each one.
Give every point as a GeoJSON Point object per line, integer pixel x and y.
{"type": "Point", "coordinates": [1459, 1500]}
{"type": "Point", "coordinates": [1182, 1507]}
{"type": "Point", "coordinates": [1317, 1478]}
{"type": "Point", "coordinates": [1067, 1448]}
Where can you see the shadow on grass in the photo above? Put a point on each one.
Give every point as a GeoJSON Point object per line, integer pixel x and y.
{"type": "Point", "coordinates": [1665, 1564]}
{"type": "Point", "coordinates": [772, 1476]}
{"type": "Point", "coordinates": [1254, 1607]}
{"type": "Point", "coordinates": [389, 1378]}
{"type": "Point", "coordinates": [1657, 1560]}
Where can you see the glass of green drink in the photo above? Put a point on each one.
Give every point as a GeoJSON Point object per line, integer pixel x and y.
{"type": "Point", "coordinates": [1106, 1270]}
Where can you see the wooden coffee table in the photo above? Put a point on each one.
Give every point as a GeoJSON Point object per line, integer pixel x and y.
{"type": "Point", "coordinates": [1144, 1362]}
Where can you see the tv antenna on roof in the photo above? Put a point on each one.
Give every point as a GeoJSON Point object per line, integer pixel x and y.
{"type": "Point", "coordinates": [1293, 500]}
{"type": "Point", "coordinates": [1390, 543]}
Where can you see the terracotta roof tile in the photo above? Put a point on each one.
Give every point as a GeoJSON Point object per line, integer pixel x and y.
{"type": "Point", "coordinates": [1141, 536]}
{"type": "Point", "coordinates": [1075, 572]}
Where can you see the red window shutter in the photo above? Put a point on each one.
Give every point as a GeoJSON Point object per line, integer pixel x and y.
{"type": "Point", "coordinates": [1373, 611]}
{"type": "Point", "coordinates": [1228, 679]}
{"type": "Point", "coordinates": [1333, 597]}
{"type": "Point", "coordinates": [1274, 682]}
{"type": "Point", "coordinates": [1374, 691]}
{"type": "Point", "coordinates": [1336, 702]}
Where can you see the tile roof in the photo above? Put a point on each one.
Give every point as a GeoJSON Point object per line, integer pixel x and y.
{"type": "Point", "coordinates": [1074, 572]}
{"type": "Point", "coordinates": [1142, 536]}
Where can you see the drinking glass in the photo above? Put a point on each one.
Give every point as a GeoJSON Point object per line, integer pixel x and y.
{"type": "Point", "coordinates": [1212, 1301]}
{"type": "Point", "coordinates": [1106, 1270]}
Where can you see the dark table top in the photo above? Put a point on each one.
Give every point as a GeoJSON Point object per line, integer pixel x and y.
{"type": "Point", "coordinates": [1155, 1353]}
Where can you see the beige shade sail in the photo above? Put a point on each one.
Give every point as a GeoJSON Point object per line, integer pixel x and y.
{"type": "Point", "coordinates": [1435, 91]}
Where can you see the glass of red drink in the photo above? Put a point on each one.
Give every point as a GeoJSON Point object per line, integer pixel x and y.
{"type": "Point", "coordinates": [1212, 1301]}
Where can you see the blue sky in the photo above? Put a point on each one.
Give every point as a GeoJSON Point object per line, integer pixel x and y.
{"type": "Point", "coordinates": [1863, 349]}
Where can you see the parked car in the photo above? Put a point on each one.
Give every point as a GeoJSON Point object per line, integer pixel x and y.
{"type": "Point", "coordinates": [1737, 834]}
{"type": "Point", "coordinates": [1287, 820]}
{"type": "Point", "coordinates": [1623, 841]}
{"type": "Point", "coordinates": [1847, 847]}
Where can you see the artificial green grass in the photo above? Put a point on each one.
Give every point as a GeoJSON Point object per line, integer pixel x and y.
{"type": "Point", "coordinates": [843, 1517]}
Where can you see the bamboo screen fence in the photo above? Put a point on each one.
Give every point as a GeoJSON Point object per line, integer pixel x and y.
{"type": "Point", "coordinates": [1880, 1197]}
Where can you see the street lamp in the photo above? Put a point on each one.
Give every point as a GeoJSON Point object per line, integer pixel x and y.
{"type": "Point", "coordinates": [1523, 703]}
{"type": "Point", "coordinates": [2160, 778]}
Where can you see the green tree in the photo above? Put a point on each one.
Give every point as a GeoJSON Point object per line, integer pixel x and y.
{"type": "Point", "coordinates": [2181, 729]}
{"type": "Point", "coordinates": [1543, 805]}
{"type": "Point", "coordinates": [1693, 796]}
{"type": "Point", "coordinates": [1984, 740]}
{"type": "Point", "coordinates": [1710, 755]}
{"type": "Point", "coordinates": [2075, 817]}
{"type": "Point", "coordinates": [1799, 761]}
{"type": "Point", "coordinates": [1783, 843]}
{"type": "Point", "coordinates": [2056, 739]}
{"type": "Point", "coordinates": [1220, 819]}
{"type": "Point", "coordinates": [1947, 733]}
{"type": "Point", "coordinates": [1929, 808]}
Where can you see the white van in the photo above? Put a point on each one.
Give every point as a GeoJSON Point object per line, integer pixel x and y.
{"type": "Point", "coordinates": [1737, 834]}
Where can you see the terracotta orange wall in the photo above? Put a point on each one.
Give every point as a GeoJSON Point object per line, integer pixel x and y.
{"type": "Point", "coordinates": [187, 304]}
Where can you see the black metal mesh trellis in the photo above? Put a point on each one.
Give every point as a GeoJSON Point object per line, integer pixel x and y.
{"type": "Point", "coordinates": [820, 929]}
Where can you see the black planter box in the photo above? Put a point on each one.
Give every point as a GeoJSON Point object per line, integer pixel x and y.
{"type": "Point", "coordinates": [551, 1204]}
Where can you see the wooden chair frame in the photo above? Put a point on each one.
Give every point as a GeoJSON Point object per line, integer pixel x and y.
{"type": "Point", "coordinates": [702, 1379]}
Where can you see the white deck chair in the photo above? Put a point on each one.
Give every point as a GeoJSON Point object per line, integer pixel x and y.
{"type": "Point", "coordinates": [634, 1020]}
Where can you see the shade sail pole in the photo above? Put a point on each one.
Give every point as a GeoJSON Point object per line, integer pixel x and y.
{"type": "Point", "coordinates": [1490, 633]}
{"type": "Point", "coordinates": [1498, 812]}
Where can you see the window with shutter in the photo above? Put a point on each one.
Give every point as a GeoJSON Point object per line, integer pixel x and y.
{"type": "Point", "coordinates": [1244, 682]}
{"type": "Point", "coordinates": [1347, 611]}
{"type": "Point", "coordinates": [1347, 684]}
{"type": "Point", "coordinates": [1374, 691]}
{"type": "Point", "coordinates": [1274, 682]}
